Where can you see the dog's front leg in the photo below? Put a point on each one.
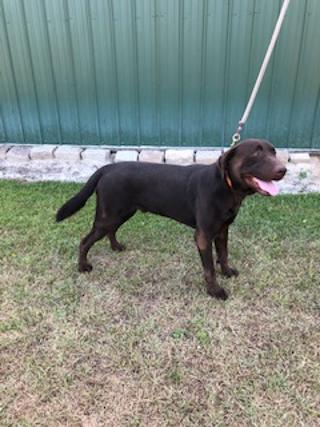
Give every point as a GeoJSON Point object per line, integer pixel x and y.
{"type": "Point", "coordinates": [204, 245]}
{"type": "Point", "coordinates": [221, 244]}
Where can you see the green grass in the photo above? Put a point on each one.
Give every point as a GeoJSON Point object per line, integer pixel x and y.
{"type": "Point", "coordinates": [138, 342]}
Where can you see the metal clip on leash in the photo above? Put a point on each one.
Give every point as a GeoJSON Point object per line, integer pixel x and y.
{"type": "Point", "coordinates": [236, 136]}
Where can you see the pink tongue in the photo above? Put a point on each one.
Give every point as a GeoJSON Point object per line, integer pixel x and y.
{"type": "Point", "coordinates": [269, 187]}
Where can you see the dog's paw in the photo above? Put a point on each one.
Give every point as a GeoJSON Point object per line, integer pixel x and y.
{"type": "Point", "coordinates": [118, 247]}
{"type": "Point", "coordinates": [85, 267]}
{"type": "Point", "coordinates": [218, 293]}
{"type": "Point", "coordinates": [230, 272]}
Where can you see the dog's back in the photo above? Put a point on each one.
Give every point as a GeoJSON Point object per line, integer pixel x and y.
{"type": "Point", "coordinates": [158, 188]}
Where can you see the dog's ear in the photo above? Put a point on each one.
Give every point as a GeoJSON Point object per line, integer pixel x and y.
{"type": "Point", "coordinates": [224, 160]}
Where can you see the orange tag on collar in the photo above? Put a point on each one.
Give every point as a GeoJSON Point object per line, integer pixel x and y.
{"type": "Point", "coordinates": [229, 182]}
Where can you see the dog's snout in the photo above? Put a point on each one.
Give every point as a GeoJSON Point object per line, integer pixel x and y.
{"type": "Point", "coordinates": [281, 171]}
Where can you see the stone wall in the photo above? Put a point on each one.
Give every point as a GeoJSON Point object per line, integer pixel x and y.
{"type": "Point", "coordinates": [77, 163]}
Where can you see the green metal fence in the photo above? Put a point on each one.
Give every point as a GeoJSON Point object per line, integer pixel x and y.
{"type": "Point", "coordinates": [156, 72]}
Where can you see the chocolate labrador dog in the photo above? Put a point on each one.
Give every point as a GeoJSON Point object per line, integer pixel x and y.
{"type": "Point", "coordinates": [206, 198]}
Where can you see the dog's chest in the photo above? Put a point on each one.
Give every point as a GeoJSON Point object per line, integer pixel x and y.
{"type": "Point", "coordinates": [231, 212]}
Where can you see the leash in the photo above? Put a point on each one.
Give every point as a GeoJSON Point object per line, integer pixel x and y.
{"type": "Point", "coordinates": [237, 135]}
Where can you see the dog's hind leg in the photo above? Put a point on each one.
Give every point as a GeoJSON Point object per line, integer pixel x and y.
{"type": "Point", "coordinates": [115, 245]}
{"type": "Point", "coordinates": [97, 233]}
{"type": "Point", "coordinates": [112, 229]}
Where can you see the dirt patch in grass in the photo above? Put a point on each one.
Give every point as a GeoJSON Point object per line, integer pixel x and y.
{"type": "Point", "coordinates": [138, 342]}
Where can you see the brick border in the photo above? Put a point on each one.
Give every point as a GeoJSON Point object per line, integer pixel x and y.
{"type": "Point", "coordinates": [77, 163]}
{"type": "Point", "coordinates": [174, 155]}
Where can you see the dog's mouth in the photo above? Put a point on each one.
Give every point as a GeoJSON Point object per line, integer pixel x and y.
{"type": "Point", "coordinates": [266, 188]}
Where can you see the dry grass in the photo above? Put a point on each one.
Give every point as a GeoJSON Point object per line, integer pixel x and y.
{"type": "Point", "coordinates": [138, 342]}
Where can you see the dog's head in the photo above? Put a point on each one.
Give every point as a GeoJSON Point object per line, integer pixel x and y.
{"type": "Point", "coordinates": [251, 166]}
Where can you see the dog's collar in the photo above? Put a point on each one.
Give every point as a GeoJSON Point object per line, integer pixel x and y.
{"type": "Point", "coordinates": [228, 181]}
{"type": "Point", "coordinates": [225, 175]}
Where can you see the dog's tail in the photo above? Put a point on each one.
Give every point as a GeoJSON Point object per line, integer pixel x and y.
{"type": "Point", "coordinates": [77, 202]}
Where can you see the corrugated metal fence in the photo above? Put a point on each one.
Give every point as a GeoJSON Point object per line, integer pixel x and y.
{"type": "Point", "coordinates": [156, 72]}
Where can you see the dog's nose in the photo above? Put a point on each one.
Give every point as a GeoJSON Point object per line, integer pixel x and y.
{"type": "Point", "coordinates": [281, 171]}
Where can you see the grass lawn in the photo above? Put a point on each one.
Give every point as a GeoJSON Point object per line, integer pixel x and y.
{"type": "Point", "coordinates": [138, 342]}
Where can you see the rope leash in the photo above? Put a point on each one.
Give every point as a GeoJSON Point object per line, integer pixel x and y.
{"type": "Point", "coordinates": [237, 135]}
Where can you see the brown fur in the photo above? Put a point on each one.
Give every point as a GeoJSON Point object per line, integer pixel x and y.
{"type": "Point", "coordinates": [206, 198]}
